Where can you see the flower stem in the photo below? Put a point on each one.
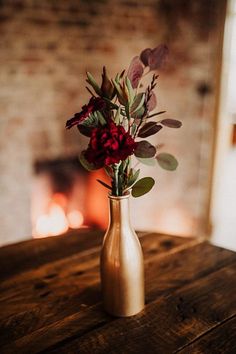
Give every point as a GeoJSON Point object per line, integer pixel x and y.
{"type": "Point", "coordinates": [115, 182]}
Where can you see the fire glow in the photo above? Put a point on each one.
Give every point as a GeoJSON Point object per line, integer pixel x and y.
{"type": "Point", "coordinates": [56, 222]}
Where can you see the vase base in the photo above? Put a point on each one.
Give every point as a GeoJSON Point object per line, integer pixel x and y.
{"type": "Point", "coordinates": [124, 313]}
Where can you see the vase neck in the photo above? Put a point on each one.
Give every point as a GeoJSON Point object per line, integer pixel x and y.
{"type": "Point", "coordinates": [119, 210]}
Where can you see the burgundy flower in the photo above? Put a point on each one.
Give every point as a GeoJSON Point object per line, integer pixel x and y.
{"type": "Point", "coordinates": [109, 145]}
{"type": "Point", "coordinates": [95, 104]}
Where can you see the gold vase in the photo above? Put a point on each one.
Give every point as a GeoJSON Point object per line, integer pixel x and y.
{"type": "Point", "coordinates": [121, 263]}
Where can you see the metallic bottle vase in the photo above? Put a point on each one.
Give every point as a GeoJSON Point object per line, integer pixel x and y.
{"type": "Point", "coordinates": [122, 270]}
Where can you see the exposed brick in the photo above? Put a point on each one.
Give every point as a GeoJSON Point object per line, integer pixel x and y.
{"type": "Point", "coordinates": [45, 48]}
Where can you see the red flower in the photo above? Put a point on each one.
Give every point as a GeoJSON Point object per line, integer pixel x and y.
{"type": "Point", "coordinates": [95, 104]}
{"type": "Point", "coordinates": [109, 144]}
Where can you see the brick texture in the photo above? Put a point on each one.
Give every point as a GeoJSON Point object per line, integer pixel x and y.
{"type": "Point", "coordinates": [45, 48]}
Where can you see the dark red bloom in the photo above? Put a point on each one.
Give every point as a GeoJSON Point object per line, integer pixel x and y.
{"type": "Point", "coordinates": [95, 104]}
{"type": "Point", "coordinates": [109, 144]}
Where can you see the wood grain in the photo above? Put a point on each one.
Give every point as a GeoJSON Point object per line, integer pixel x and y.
{"type": "Point", "coordinates": [31, 254]}
{"type": "Point", "coordinates": [166, 324]}
{"type": "Point", "coordinates": [218, 340]}
{"type": "Point", "coordinates": [54, 305]}
{"type": "Point", "coordinates": [58, 289]}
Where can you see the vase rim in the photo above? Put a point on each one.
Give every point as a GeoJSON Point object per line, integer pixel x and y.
{"type": "Point", "coordinates": [119, 197]}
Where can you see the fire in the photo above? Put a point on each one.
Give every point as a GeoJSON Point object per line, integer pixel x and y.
{"type": "Point", "coordinates": [57, 222]}
{"type": "Point", "coordinates": [75, 219]}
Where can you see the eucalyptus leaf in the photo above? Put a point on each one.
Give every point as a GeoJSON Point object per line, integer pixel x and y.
{"type": "Point", "coordinates": [88, 166]}
{"type": "Point", "coordinates": [145, 55]}
{"type": "Point", "coordinates": [171, 123]}
{"type": "Point", "coordinates": [157, 57]}
{"type": "Point", "coordinates": [142, 186]}
{"type": "Point", "coordinates": [144, 149]}
{"type": "Point", "coordinates": [149, 129]}
{"type": "Point", "coordinates": [148, 161]}
{"type": "Point", "coordinates": [135, 71]}
{"type": "Point", "coordinates": [167, 161]}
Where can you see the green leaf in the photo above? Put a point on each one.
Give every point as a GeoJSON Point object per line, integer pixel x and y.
{"type": "Point", "coordinates": [139, 114]}
{"type": "Point", "coordinates": [93, 83]}
{"type": "Point", "coordinates": [171, 123]}
{"type": "Point", "coordinates": [91, 121]}
{"type": "Point", "coordinates": [133, 178]}
{"type": "Point", "coordinates": [130, 89]}
{"type": "Point", "coordinates": [88, 166]}
{"type": "Point", "coordinates": [167, 161]}
{"type": "Point", "coordinates": [138, 102]}
{"type": "Point", "coordinates": [133, 129]}
{"type": "Point", "coordinates": [143, 186]}
{"type": "Point", "coordinates": [120, 94]}
{"type": "Point", "coordinates": [104, 184]}
{"type": "Point", "coordinates": [117, 116]}
{"type": "Point", "coordinates": [144, 149]}
{"type": "Point", "coordinates": [101, 118]}
{"type": "Point", "coordinates": [148, 161]}
{"type": "Point", "coordinates": [149, 129]}
{"type": "Point", "coordinates": [113, 105]}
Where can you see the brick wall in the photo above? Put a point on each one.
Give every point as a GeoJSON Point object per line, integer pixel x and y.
{"type": "Point", "coordinates": [45, 48]}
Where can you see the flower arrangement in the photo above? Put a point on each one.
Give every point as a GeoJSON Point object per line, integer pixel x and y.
{"type": "Point", "coordinates": [118, 119]}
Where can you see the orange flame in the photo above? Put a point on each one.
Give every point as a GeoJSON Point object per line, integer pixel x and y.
{"type": "Point", "coordinates": [56, 222]}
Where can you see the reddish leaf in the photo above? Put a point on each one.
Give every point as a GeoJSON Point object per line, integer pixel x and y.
{"type": "Point", "coordinates": [135, 71]}
{"type": "Point", "coordinates": [157, 57]}
{"type": "Point", "coordinates": [149, 129]}
{"type": "Point", "coordinates": [145, 55]}
{"type": "Point", "coordinates": [144, 149]}
{"type": "Point", "coordinates": [171, 123]}
{"type": "Point", "coordinates": [151, 104]}
{"type": "Point", "coordinates": [106, 87]}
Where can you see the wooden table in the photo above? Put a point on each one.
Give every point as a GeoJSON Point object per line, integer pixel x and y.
{"type": "Point", "coordinates": [50, 298]}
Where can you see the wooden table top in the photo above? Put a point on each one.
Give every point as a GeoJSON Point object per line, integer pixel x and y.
{"type": "Point", "coordinates": [50, 298]}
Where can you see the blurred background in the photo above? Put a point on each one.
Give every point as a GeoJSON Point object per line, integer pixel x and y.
{"type": "Point", "coordinates": [46, 47]}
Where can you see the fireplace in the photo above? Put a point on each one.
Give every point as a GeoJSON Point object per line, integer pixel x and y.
{"type": "Point", "coordinates": [64, 196]}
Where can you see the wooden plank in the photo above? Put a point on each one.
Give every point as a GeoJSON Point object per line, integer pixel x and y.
{"type": "Point", "coordinates": [59, 289]}
{"type": "Point", "coordinates": [171, 272]}
{"type": "Point", "coordinates": [221, 339]}
{"type": "Point", "coordinates": [79, 264]}
{"type": "Point", "coordinates": [28, 255]}
{"type": "Point", "coordinates": [166, 324]}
